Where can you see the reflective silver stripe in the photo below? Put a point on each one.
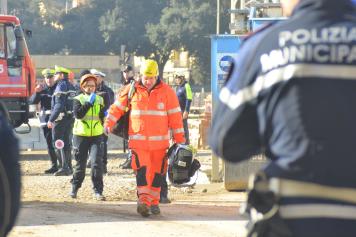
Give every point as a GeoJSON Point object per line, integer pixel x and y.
{"type": "Point", "coordinates": [148, 112]}
{"type": "Point", "coordinates": [12, 86]}
{"type": "Point", "coordinates": [175, 110]}
{"type": "Point", "coordinates": [178, 130]}
{"type": "Point", "coordinates": [234, 100]}
{"type": "Point", "coordinates": [63, 114]}
{"type": "Point", "coordinates": [150, 138]}
{"type": "Point", "coordinates": [64, 92]}
{"type": "Point", "coordinates": [111, 117]}
{"type": "Point", "coordinates": [120, 106]}
{"type": "Point", "coordinates": [143, 190]}
{"type": "Point", "coordinates": [137, 137]}
{"type": "Point", "coordinates": [91, 117]}
{"type": "Point", "coordinates": [60, 117]}
{"type": "Point", "coordinates": [17, 111]}
{"type": "Point", "coordinates": [43, 124]}
{"type": "Point", "coordinates": [154, 193]}
{"type": "Point", "coordinates": [318, 211]}
{"type": "Point", "coordinates": [293, 188]}
{"type": "Point", "coordinates": [158, 138]}
{"type": "Point", "coordinates": [60, 93]}
{"type": "Point", "coordinates": [45, 112]}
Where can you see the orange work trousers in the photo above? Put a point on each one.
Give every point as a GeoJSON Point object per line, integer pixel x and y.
{"type": "Point", "coordinates": [149, 166]}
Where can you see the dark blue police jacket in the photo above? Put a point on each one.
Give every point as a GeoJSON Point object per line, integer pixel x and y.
{"type": "Point", "coordinates": [108, 95]}
{"type": "Point", "coordinates": [292, 96]}
{"type": "Point", "coordinates": [45, 98]}
{"type": "Point", "coordinates": [62, 99]}
{"type": "Point", "coordinates": [181, 92]}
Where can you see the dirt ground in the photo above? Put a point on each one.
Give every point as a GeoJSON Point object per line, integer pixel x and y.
{"type": "Point", "coordinates": [202, 210]}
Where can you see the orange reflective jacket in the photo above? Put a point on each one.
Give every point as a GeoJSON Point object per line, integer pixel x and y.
{"type": "Point", "coordinates": [152, 115]}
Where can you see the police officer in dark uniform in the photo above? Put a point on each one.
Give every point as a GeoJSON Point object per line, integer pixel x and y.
{"type": "Point", "coordinates": [43, 95]}
{"type": "Point", "coordinates": [61, 118]}
{"type": "Point", "coordinates": [10, 184]}
{"type": "Point", "coordinates": [109, 98]}
{"type": "Point", "coordinates": [128, 76]}
{"type": "Point", "coordinates": [292, 95]}
{"type": "Point", "coordinates": [185, 97]}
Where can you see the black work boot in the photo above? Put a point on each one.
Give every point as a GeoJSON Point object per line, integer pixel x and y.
{"type": "Point", "coordinates": [164, 200]}
{"type": "Point", "coordinates": [143, 209]}
{"type": "Point", "coordinates": [73, 193]}
{"type": "Point", "coordinates": [66, 162]}
{"type": "Point", "coordinates": [53, 157]}
{"type": "Point", "coordinates": [51, 170]}
{"type": "Point", "coordinates": [99, 197]}
{"type": "Point", "coordinates": [63, 172]}
{"type": "Point", "coordinates": [155, 210]}
{"type": "Point", "coordinates": [164, 191]}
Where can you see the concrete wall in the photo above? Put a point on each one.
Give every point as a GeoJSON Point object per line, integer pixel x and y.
{"type": "Point", "coordinates": [106, 63]}
{"type": "Point", "coordinates": [35, 139]}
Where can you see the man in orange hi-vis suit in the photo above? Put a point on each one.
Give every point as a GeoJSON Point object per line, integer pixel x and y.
{"type": "Point", "coordinates": [154, 111]}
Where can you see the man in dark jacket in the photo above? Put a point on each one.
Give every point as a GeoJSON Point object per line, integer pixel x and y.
{"type": "Point", "coordinates": [43, 95]}
{"type": "Point", "coordinates": [10, 183]}
{"type": "Point", "coordinates": [61, 118]}
{"type": "Point", "coordinates": [185, 97]}
{"type": "Point", "coordinates": [292, 95]}
{"type": "Point", "coordinates": [128, 76]}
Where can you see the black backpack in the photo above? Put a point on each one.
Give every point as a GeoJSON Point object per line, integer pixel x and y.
{"type": "Point", "coordinates": [121, 127]}
{"type": "Point", "coordinates": [181, 164]}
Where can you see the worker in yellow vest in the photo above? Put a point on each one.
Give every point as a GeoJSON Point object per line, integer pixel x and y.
{"type": "Point", "coordinates": [88, 138]}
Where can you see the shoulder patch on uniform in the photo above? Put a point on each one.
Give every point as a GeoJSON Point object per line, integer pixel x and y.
{"type": "Point", "coordinates": [63, 87]}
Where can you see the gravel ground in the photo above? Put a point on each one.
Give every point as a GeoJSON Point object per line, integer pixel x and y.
{"type": "Point", "coordinates": [119, 184]}
{"type": "Point", "coordinates": [205, 209]}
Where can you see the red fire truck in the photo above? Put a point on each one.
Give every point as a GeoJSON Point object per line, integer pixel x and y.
{"type": "Point", "coordinates": [17, 71]}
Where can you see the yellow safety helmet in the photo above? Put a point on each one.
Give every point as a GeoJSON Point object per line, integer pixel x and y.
{"type": "Point", "coordinates": [149, 68]}
{"type": "Point", "coordinates": [47, 72]}
{"type": "Point", "coordinates": [58, 69]}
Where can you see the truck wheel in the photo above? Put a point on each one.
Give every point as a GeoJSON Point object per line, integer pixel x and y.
{"type": "Point", "coordinates": [9, 177]}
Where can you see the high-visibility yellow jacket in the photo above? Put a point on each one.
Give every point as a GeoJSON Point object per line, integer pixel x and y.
{"type": "Point", "coordinates": [90, 124]}
{"type": "Point", "coordinates": [152, 115]}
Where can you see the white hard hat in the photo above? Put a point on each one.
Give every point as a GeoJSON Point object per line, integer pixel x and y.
{"type": "Point", "coordinates": [97, 73]}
